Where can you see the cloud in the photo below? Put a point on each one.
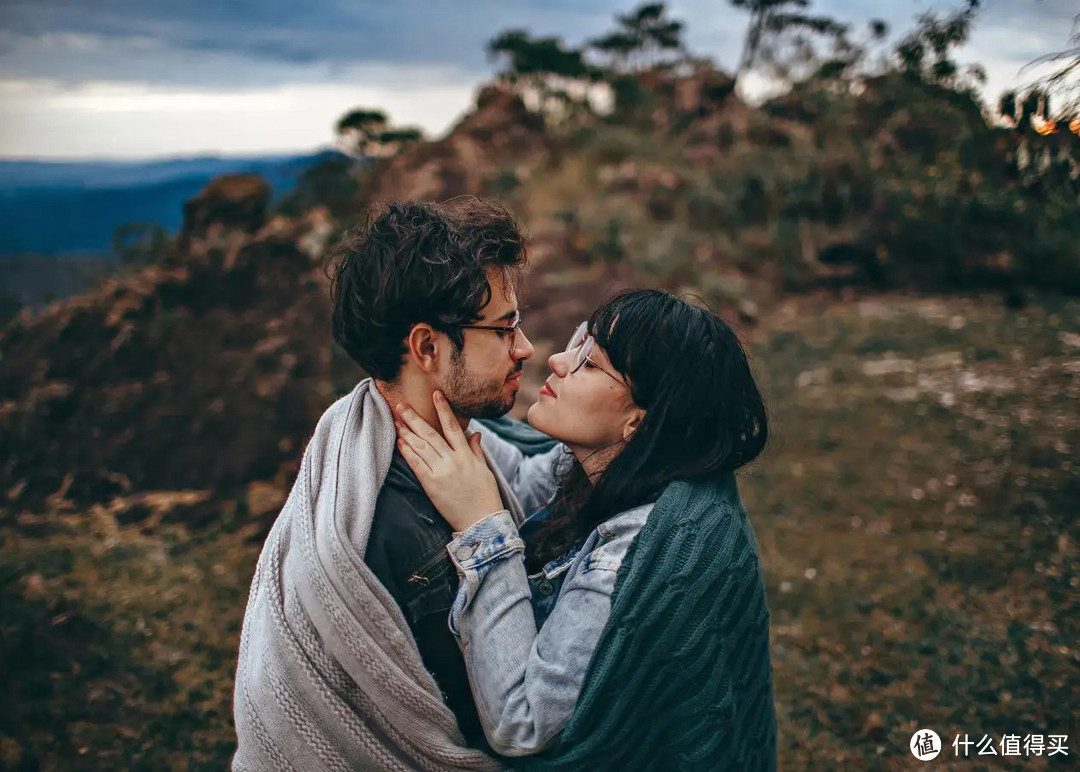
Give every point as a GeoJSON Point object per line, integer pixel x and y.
{"type": "Point", "coordinates": [91, 77]}
{"type": "Point", "coordinates": [41, 119]}
{"type": "Point", "coordinates": [245, 43]}
{"type": "Point", "coordinates": [332, 34]}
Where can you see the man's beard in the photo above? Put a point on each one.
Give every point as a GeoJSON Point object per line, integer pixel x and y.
{"type": "Point", "coordinates": [473, 397]}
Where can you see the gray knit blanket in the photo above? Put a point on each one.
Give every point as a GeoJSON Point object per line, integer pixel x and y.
{"type": "Point", "coordinates": [329, 676]}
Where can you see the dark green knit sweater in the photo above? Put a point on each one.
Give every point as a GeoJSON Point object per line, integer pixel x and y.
{"type": "Point", "coordinates": [681, 678]}
{"type": "Point", "coordinates": [527, 439]}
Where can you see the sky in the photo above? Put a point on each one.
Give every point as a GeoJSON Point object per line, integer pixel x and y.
{"type": "Point", "coordinates": [153, 78]}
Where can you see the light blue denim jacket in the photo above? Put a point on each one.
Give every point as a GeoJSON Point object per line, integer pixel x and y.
{"type": "Point", "coordinates": [527, 658]}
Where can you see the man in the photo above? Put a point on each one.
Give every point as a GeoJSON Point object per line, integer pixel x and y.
{"type": "Point", "coordinates": [424, 299]}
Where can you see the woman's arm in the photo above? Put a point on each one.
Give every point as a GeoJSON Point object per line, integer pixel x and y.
{"type": "Point", "coordinates": [525, 682]}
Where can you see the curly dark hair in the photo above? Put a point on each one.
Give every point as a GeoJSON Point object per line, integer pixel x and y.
{"type": "Point", "coordinates": [418, 262]}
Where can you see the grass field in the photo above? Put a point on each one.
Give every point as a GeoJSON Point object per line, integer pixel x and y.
{"type": "Point", "coordinates": [917, 518]}
{"type": "Point", "coordinates": [916, 512]}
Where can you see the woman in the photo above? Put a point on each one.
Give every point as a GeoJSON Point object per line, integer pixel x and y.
{"type": "Point", "coordinates": [634, 633]}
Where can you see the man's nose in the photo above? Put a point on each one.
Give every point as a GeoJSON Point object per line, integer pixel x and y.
{"type": "Point", "coordinates": [523, 347]}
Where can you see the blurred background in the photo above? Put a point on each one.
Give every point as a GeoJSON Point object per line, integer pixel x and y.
{"type": "Point", "coordinates": [882, 197]}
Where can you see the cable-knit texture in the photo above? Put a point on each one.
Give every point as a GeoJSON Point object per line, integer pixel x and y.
{"type": "Point", "coordinates": [329, 676]}
{"type": "Point", "coordinates": [681, 678]}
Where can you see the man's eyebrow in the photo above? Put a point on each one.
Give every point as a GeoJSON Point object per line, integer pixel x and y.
{"type": "Point", "coordinates": [507, 316]}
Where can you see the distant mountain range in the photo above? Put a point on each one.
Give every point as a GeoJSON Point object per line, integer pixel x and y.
{"type": "Point", "coordinates": [51, 207]}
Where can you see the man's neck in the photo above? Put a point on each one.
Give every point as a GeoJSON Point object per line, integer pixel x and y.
{"type": "Point", "coordinates": [416, 395]}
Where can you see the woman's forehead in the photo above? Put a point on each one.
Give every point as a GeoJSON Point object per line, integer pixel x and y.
{"type": "Point", "coordinates": [599, 353]}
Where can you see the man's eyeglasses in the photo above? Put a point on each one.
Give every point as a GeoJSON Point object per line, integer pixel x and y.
{"type": "Point", "coordinates": [582, 344]}
{"type": "Point", "coordinates": [510, 331]}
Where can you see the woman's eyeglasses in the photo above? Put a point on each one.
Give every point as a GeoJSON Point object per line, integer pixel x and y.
{"type": "Point", "coordinates": [581, 344]}
{"type": "Point", "coordinates": [509, 331]}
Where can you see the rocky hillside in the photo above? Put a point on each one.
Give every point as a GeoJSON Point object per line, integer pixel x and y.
{"type": "Point", "coordinates": [499, 135]}
{"type": "Point", "coordinates": [223, 346]}
{"type": "Point", "coordinates": [207, 371]}
{"type": "Point", "coordinates": [204, 372]}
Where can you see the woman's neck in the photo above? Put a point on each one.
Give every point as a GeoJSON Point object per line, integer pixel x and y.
{"type": "Point", "coordinates": [595, 460]}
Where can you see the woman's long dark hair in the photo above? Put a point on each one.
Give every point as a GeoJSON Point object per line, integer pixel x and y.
{"type": "Point", "coordinates": [704, 414]}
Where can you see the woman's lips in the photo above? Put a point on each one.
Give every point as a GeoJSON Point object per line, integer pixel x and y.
{"type": "Point", "coordinates": [547, 390]}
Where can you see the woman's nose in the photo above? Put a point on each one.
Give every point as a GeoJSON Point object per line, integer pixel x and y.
{"type": "Point", "coordinates": [560, 363]}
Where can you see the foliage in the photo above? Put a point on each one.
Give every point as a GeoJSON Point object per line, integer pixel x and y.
{"type": "Point", "coordinates": [557, 76]}
{"type": "Point", "coordinates": [862, 172]}
{"type": "Point", "coordinates": [402, 136]}
{"type": "Point", "coordinates": [533, 58]}
{"type": "Point", "coordinates": [139, 243]}
{"type": "Point", "coordinates": [331, 182]}
{"type": "Point", "coordinates": [361, 127]}
{"type": "Point", "coordinates": [367, 132]}
{"type": "Point", "coordinates": [1064, 76]}
{"type": "Point", "coordinates": [926, 51]}
{"type": "Point", "coordinates": [503, 186]}
{"type": "Point", "coordinates": [868, 169]}
{"type": "Point", "coordinates": [771, 22]}
{"type": "Point", "coordinates": [1063, 79]}
{"type": "Point", "coordinates": [645, 38]}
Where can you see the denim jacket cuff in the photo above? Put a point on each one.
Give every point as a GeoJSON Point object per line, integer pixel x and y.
{"type": "Point", "coordinates": [475, 551]}
{"type": "Point", "coordinates": [485, 541]}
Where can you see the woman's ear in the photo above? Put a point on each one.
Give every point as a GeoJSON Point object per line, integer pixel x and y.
{"type": "Point", "coordinates": [633, 421]}
{"type": "Point", "coordinates": [423, 347]}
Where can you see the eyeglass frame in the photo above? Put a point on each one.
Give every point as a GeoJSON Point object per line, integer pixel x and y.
{"type": "Point", "coordinates": [585, 348]}
{"type": "Point", "coordinates": [512, 329]}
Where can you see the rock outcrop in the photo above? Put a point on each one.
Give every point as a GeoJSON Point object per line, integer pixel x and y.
{"type": "Point", "coordinates": [205, 375]}
{"type": "Point", "coordinates": [500, 135]}
{"type": "Point", "coordinates": [230, 205]}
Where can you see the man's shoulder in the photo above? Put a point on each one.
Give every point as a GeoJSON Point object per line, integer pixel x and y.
{"type": "Point", "coordinates": [405, 521]}
{"type": "Point", "coordinates": [402, 501]}
{"type": "Point", "coordinates": [407, 537]}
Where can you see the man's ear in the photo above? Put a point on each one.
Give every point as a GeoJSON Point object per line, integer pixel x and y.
{"type": "Point", "coordinates": [425, 345]}
{"type": "Point", "coordinates": [633, 421]}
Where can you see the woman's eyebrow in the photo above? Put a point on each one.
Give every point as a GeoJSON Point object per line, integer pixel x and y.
{"type": "Point", "coordinates": [599, 353]}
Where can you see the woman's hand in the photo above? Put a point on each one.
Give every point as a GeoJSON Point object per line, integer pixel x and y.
{"type": "Point", "coordinates": [453, 471]}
